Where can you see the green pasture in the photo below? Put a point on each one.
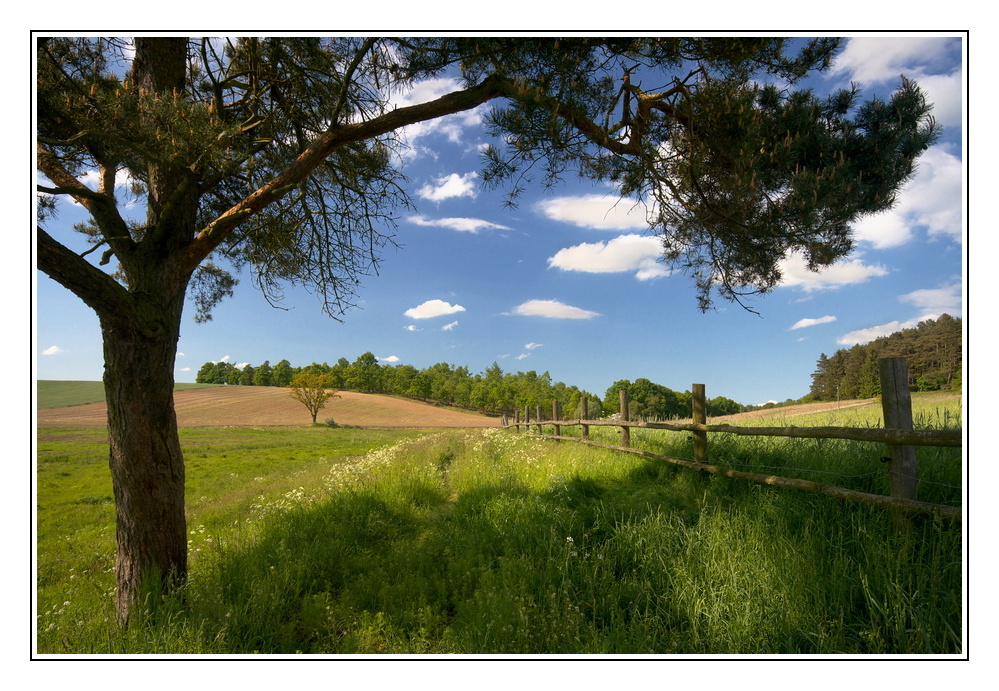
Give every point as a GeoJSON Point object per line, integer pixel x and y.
{"type": "Point", "coordinates": [342, 541]}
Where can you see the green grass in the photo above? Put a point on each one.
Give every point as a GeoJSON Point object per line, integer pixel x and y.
{"type": "Point", "coordinates": [56, 394]}
{"type": "Point", "coordinates": [487, 542]}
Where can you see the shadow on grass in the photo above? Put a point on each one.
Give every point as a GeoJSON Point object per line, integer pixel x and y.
{"type": "Point", "coordinates": [655, 559]}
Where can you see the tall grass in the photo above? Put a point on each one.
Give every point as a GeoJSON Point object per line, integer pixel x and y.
{"type": "Point", "coordinates": [491, 543]}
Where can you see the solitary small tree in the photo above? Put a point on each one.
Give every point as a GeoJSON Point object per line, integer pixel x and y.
{"type": "Point", "coordinates": [312, 390]}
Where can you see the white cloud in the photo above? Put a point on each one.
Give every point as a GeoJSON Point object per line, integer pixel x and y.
{"type": "Point", "coordinates": [449, 327]}
{"type": "Point", "coordinates": [449, 187]}
{"type": "Point", "coordinates": [795, 273]}
{"type": "Point", "coordinates": [53, 350]}
{"type": "Point", "coordinates": [603, 212]}
{"type": "Point", "coordinates": [946, 93]}
{"type": "Point", "coordinates": [929, 61]}
{"type": "Point", "coordinates": [453, 127]}
{"type": "Point", "coordinates": [884, 58]}
{"type": "Point", "coordinates": [552, 309]}
{"type": "Point", "coordinates": [936, 301]}
{"type": "Point", "coordinates": [464, 225]}
{"type": "Point", "coordinates": [433, 308]}
{"type": "Point", "coordinates": [185, 369]}
{"type": "Point", "coordinates": [532, 346]}
{"type": "Point", "coordinates": [803, 323]}
{"type": "Point", "coordinates": [933, 199]}
{"type": "Point", "coordinates": [523, 355]}
{"type": "Point", "coordinates": [411, 327]}
{"type": "Point", "coordinates": [390, 358]}
{"type": "Point", "coordinates": [636, 253]}
{"type": "Point", "coordinates": [874, 332]}
{"type": "Point", "coordinates": [225, 358]}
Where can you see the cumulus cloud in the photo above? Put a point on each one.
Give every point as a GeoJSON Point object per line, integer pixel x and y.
{"type": "Point", "coordinates": [932, 200]}
{"type": "Point", "coordinates": [880, 60]}
{"type": "Point", "coordinates": [464, 225]}
{"type": "Point", "coordinates": [390, 358]}
{"type": "Point", "coordinates": [432, 308]}
{"type": "Point", "coordinates": [553, 309]}
{"type": "Point", "coordinates": [532, 346]}
{"type": "Point", "coordinates": [452, 126]}
{"type": "Point", "coordinates": [53, 350]}
{"type": "Point", "coordinates": [449, 187]}
{"type": "Point", "coordinates": [795, 273]}
{"type": "Point", "coordinates": [884, 58]}
{"type": "Point", "coordinates": [449, 327]}
{"type": "Point", "coordinates": [936, 301]}
{"type": "Point", "coordinates": [411, 327]}
{"type": "Point", "coordinates": [803, 323]}
{"type": "Point", "coordinates": [874, 332]}
{"type": "Point", "coordinates": [602, 212]}
{"type": "Point", "coordinates": [636, 253]}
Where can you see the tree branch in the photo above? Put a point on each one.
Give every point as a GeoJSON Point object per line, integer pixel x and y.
{"type": "Point", "coordinates": [101, 205]}
{"type": "Point", "coordinates": [97, 289]}
{"type": "Point", "coordinates": [321, 148]}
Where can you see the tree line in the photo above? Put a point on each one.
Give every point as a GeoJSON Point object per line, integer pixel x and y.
{"type": "Point", "coordinates": [933, 349]}
{"type": "Point", "coordinates": [492, 392]}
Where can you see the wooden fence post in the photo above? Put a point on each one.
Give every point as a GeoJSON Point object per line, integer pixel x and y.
{"type": "Point", "coordinates": [584, 415]}
{"type": "Point", "coordinates": [699, 408]}
{"type": "Point", "coordinates": [896, 405]}
{"type": "Point", "coordinates": [516, 419]}
{"type": "Point", "coordinates": [537, 418]}
{"type": "Point", "coordinates": [625, 431]}
{"type": "Point", "coordinates": [556, 415]}
{"type": "Point", "coordinates": [527, 419]}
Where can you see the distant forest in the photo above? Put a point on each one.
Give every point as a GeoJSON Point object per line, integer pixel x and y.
{"type": "Point", "coordinates": [493, 391]}
{"type": "Point", "coordinates": [932, 348]}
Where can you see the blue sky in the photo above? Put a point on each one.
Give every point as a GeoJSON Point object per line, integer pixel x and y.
{"type": "Point", "coordinates": [568, 282]}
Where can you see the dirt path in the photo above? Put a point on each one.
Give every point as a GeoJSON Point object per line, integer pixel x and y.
{"type": "Point", "coordinates": [248, 406]}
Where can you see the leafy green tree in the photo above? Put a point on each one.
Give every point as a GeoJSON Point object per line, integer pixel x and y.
{"type": "Point", "coordinates": [312, 390]}
{"type": "Point", "coordinates": [364, 374]}
{"type": "Point", "coordinates": [263, 375]}
{"type": "Point", "coordinates": [281, 374]}
{"type": "Point", "coordinates": [246, 375]}
{"type": "Point", "coordinates": [274, 155]}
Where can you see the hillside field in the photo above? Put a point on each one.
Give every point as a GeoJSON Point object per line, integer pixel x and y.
{"type": "Point", "coordinates": [251, 406]}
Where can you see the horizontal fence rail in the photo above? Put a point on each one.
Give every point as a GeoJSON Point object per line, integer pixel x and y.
{"type": "Point", "coordinates": [948, 437]}
{"type": "Point", "coordinates": [898, 436]}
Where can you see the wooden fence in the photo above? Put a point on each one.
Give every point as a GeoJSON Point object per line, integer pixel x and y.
{"type": "Point", "coordinates": [898, 436]}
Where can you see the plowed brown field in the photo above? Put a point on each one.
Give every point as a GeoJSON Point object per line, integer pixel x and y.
{"type": "Point", "coordinates": [248, 406]}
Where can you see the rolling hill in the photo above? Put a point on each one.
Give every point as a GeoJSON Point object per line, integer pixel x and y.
{"type": "Point", "coordinates": [252, 406]}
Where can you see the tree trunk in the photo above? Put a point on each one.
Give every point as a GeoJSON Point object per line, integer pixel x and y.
{"type": "Point", "coordinates": [147, 466]}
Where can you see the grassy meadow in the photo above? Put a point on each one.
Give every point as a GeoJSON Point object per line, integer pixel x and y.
{"type": "Point", "coordinates": [56, 394]}
{"type": "Point", "coordinates": [349, 541]}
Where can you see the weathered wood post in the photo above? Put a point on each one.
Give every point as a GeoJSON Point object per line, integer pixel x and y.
{"type": "Point", "coordinates": [584, 415]}
{"type": "Point", "coordinates": [537, 418]}
{"type": "Point", "coordinates": [516, 419]}
{"type": "Point", "coordinates": [625, 431]}
{"type": "Point", "coordinates": [556, 417]}
{"type": "Point", "coordinates": [527, 419]}
{"type": "Point", "coordinates": [699, 408]}
{"type": "Point", "coordinates": [896, 405]}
